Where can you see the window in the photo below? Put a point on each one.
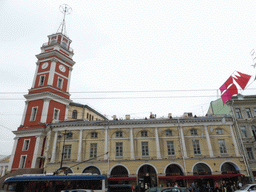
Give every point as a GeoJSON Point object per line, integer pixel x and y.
{"type": "Point", "coordinates": [250, 153]}
{"type": "Point", "coordinates": [254, 109]}
{"type": "Point", "coordinates": [93, 150]}
{"type": "Point", "coordinates": [67, 152]}
{"type": "Point", "coordinates": [170, 148]}
{"type": "Point", "coordinates": [243, 131]}
{"type": "Point", "coordinates": [74, 114]}
{"type": "Point", "coordinates": [119, 134]}
{"type": "Point", "coordinates": [59, 83]}
{"type": "Point", "coordinates": [219, 132]}
{"type": "Point", "coordinates": [94, 135]}
{"type": "Point", "coordinates": [119, 149]}
{"type": "Point", "coordinates": [41, 81]}
{"type": "Point", "coordinates": [33, 114]}
{"type": "Point", "coordinates": [249, 113]}
{"type": "Point", "coordinates": [168, 133]}
{"type": "Point", "coordinates": [254, 131]}
{"type": "Point", "coordinates": [144, 133]}
{"type": "Point", "coordinates": [196, 147]}
{"type": "Point", "coordinates": [68, 135]}
{"type": "Point", "coordinates": [56, 114]}
{"type": "Point", "coordinates": [238, 113]}
{"type": "Point", "coordinates": [193, 132]}
{"type": "Point", "coordinates": [144, 147]}
{"type": "Point", "coordinates": [222, 146]}
{"type": "Point", "coordinates": [25, 145]}
{"type": "Point", "coordinates": [22, 161]}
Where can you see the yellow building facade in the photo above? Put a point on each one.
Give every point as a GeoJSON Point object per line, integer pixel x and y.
{"type": "Point", "coordinates": [146, 152]}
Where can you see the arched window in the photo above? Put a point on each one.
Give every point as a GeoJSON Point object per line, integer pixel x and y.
{"type": "Point", "coordinates": [228, 168]}
{"type": "Point", "coordinates": [92, 170]}
{"type": "Point", "coordinates": [119, 171]}
{"type": "Point", "coordinates": [173, 170]}
{"type": "Point", "coordinates": [74, 114]}
{"type": "Point", "coordinates": [64, 171]}
{"type": "Point", "coordinates": [201, 169]}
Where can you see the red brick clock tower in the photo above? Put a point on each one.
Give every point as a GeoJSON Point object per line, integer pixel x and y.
{"type": "Point", "coordinates": [47, 100]}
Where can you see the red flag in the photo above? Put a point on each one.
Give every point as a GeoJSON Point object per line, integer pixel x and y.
{"type": "Point", "coordinates": [242, 80]}
{"type": "Point", "coordinates": [233, 90]}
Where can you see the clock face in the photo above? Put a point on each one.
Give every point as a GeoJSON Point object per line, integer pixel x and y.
{"type": "Point", "coordinates": [44, 65]}
{"type": "Point", "coordinates": [62, 68]}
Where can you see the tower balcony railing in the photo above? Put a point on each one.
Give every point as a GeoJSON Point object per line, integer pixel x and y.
{"type": "Point", "coordinates": [62, 44]}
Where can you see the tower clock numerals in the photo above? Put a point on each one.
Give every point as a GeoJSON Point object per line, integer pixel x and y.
{"type": "Point", "coordinates": [62, 68]}
{"type": "Point", "coordinates": [44, 65]}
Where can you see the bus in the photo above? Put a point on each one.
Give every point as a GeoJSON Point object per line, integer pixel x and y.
{"type": "Point", "coordinates": [52, 183]}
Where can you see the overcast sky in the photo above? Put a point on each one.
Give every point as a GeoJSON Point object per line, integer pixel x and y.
{"type": "Point", "coordinates": [173, 55]}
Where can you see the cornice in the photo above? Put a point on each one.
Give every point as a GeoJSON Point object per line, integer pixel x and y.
{"type": "Point", "coordinates": [30, 132]}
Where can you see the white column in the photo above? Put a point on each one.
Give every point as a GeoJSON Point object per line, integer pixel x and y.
{"type": "Point", "coordinates": [13, 153]}
{"type": "Point", "coordinates": [183, 143]}
{"type": "Point", "coordinates": [52, 70]}
{"type": "Point", "coordinates": [24, 113]}
{"type": "Point", "coordinates": [36, 152]}
{"type": "Point", "coordinates": [34, 80]}
{"type": "Point", "coordinates": [69, 79]}
{"type": "Point", "coordinates": [106, 144]}
{"type": "Point", "coordinates": [54, 147]}
{"type": "Point", "coordinates": [208, 141]}
{"type": "Point", "coordinates": [79, 155]}
{"type": "Point", "coordinates": [4, 170]}
{"type": "Point", "coordinates": [234, 141]}
{"type": "Point", "coordinates": [131, 143]}
{"type": "Point", "coordinates": [48, 140]}
{"type": "Point", "coordinates": [158, 153]}
{"type": "Point", "coordinates": [45, 110]}
{"type": "Point", "coordinates": [66, 112]}
{"type": "Point", "coordinates": [103, 185]}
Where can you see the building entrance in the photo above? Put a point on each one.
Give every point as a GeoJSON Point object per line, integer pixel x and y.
{"type": "Point", "coordinates": [147, 177]}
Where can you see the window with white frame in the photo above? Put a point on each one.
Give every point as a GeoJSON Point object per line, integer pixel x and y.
{"type": "Point", "coordinates": [67, 152]}
{"type": "Point", "coordinates": [119, 149]}
{"type": "Point", "coordinates": [249, 113]}
{"type": "Point", "coordinates": [144, 133]}
{"type": "Point", "coordinates": [59, 83]}
{"type": "Point", "coordinates": [238, 113]}
{"type": "Point", "coordinates": [193, 132]}
{"type": "Point", "coordinates": [33, 114]}
{"type": "Point", "coordinates": [170, 148]}
{"type": "Point", "coordinates": [243, 131]}
{"type": "Point", "coordinates": [222, 146]}
{"type": "Point", "coordinates": [144, 147]}
{"type": "Point", "coordinates": [41, 80]}
{"type": "Point", "coordinates": [56, 114]}
{"type": "Point", "coordinates": [93, 150]}
{"type": "Point", "coordinates": [26, 144]}
{"type": "Point", "coordinates": [168, 133]}
{"type": "Point", "coordinates": [94, 135]}
{"type": "Point", "coordinates": [250, 153]}
{"type": "Point", "coordinates": [219, 131]}
{"type": "Point", "coordinates": [119, 134]}
{"type": "Point", "coordinates": [196, 147]}
{"type": "Point", "coordinates": [22, 161]}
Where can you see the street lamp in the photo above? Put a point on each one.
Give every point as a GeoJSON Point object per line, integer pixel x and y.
{"type": "Point", "coordinates": [69, 134]}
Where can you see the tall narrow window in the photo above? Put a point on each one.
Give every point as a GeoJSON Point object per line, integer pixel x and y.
{"type": "Point", "coordinates": [74, 114]}
{"type": "Point", "coordinates": [222, 146]}
{"type": "Point", "coordinates": [41, 81]}
{"type": "Point", "coordinates": [33, 114]}
{"type": "Point", "coordinates": [170, 148]}
{"type": "Point", "coordinates": [254, 109]}
{"type": "Point", "coordinates": [254, 131]}
{"type": "Point", "coordinates": [243, 131]}
{"type": "Point", "coordinates": [250, 153]}
{"type": "Point", "coordinates": [56, 114]}
{"type": "Point", "coordinates": [93, 150]}
{"type": "Point", "coordinates": [119, 149]}
{"type": "Point", "coordinates": [59, 83]}
{"type": "Point", "coordinates": [238, 113]}
{"type": "Point", "coordinates": [22, 161]}
{"type": "Point", "coordinates": [144, 147]}
{"type": "Point", "coordinates": [196, 147]}
{"type": "Point", "coordinates": [249, 113]}
{"type": "Point", "coordinates": [67, 152]}
{"type": "Point", "coordinates": [25, 145]}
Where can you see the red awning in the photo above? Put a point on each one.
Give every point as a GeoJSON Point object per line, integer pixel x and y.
{"type": "Point", "coordinates": [199, 177]}
{"type": "Point", "coordinates": [122, 178]}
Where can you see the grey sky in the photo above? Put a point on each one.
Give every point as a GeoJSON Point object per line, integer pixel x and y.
{"type": "Point", "coordinates": [128, 46]}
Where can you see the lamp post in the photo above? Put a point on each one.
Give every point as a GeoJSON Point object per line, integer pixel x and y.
{"type": "Point", "coordinates": [69, 134]}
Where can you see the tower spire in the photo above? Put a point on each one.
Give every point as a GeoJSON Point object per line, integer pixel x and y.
{"type": "Point", "coordinates": [66, 10]}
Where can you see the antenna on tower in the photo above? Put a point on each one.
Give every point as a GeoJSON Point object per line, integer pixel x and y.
{"type": "Point", "coordinates": [66, 10]}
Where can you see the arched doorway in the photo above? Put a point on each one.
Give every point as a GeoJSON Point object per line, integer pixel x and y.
{"type": "Point", "coordinates": [147, 177]}
{"type": "Point", "coordinates": [202, 169]}
{"type": "Point", "coordinates": [64, 171]}
{"type": "Point", "coordinates": [174, 170]}
{"type": "Point", "coordinates": [92, 170]}
{"type": "Point", "coordinates": [119, 172]}
{"type": "Point", "coordinates": [228, 168]}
